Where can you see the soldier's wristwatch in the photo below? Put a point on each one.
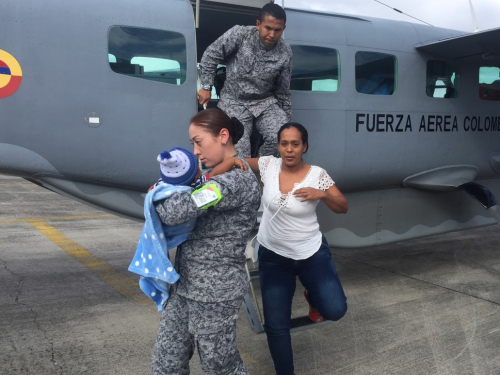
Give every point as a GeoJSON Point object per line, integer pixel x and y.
{"type": "Point", "coordinates": [206, 87]}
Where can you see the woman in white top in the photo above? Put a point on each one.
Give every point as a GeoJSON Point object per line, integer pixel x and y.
{"type": "Point", "coordinates": [292, 244]}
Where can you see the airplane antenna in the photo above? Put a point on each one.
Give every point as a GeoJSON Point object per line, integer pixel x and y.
{"type": "Point", "coordinates": [399, 11]}
{"type": "Point", "coordinates": [473, 15]}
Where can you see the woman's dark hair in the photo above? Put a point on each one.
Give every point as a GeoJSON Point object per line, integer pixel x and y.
{"type": "Point", "coordinates": [214, 120]}
{"type": "Point", "coordinates": [300, 128]}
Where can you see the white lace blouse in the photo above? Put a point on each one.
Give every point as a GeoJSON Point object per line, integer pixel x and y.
{"type": "Point", "coordinates": [289, 227]}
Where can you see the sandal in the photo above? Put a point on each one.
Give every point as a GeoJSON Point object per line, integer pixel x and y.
{"type": "Point", "coordinates": [314, 315]}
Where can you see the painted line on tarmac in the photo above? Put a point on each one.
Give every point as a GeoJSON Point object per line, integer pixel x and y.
{"type": "Point", "coordinates": [123, 284]}
{"type": "Point", "coordinates": [56, 218]}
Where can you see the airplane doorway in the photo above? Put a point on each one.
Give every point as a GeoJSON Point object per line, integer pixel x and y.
{"type": "Point", "coordinates": [214, 20]}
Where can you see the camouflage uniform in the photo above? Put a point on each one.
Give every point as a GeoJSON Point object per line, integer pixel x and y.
{"type": "Point", "coordinates": [213, 281]}
{"type": "Point", "coordinates": [210, 326]}
{"type": "Point", "coordinates": [257, 83]}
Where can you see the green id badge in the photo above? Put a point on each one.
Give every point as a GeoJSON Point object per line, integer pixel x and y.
{"type": "Point", "coordinates": [206, 196]}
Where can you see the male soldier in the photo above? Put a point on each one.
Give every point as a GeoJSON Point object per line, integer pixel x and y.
{"type": "Point", "coordinates": [258, 69]}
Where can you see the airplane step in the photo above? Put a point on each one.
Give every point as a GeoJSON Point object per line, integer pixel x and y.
{"type": "Point", "coordinates": [254, 274]}
{"type": "Point", "coordinates": [297, 324]}
{"type": "Point", "coordinates": [303, 322]}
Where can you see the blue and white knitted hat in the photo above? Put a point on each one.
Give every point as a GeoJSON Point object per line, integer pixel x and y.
{"type": "Point", "coordinates": [178, 166]}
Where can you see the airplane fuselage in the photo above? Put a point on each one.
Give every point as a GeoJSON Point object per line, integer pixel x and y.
{"type": "Point", "coordinates": [78, 127]}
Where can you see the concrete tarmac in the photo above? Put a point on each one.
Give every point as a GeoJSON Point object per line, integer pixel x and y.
{"type": "Point", "coordinates": [68, 305]}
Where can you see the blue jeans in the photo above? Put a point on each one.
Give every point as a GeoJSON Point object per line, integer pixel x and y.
{"type": "Point", "coordinates": [277, 282]}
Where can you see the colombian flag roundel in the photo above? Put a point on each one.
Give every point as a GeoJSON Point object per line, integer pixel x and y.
{"type": "Point", "coordinates": [11, 74]}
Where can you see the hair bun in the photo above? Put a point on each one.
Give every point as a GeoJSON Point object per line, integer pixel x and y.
{"type": "Point", "coordinates": [238, 130]}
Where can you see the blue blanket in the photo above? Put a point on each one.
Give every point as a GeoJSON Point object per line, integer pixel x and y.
{"type": "Point", "coordinates": [151, 260]}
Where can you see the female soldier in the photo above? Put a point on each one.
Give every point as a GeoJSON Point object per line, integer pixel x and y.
{"type": "Point", "coordinates": [291, 243]}
{"type": "Point", "coordinates": [204, 308]}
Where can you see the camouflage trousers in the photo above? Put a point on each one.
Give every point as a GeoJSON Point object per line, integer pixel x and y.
{"type": "Point", "coordinates": [267, 123]}
{"type": "Point", "coordinates": [211, 326]}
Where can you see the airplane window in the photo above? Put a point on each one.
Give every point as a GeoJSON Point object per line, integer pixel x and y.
{"type": "Point", "coordinates": [156, 55]}
{"type": "Point", "coordinates": [443, 80]}
{"type": "Point", "coordinates": [489, 83]}
{"type": "Point", "coordinates": [314, 69]}
{"type": "Point", "coordinates": [375, 73]}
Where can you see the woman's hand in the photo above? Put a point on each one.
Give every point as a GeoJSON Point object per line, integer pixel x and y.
{"type": "Point", "coordinates": [309, 194]}
{"type": "Point", "coordinates": [333, 198]}
{"type": "Point", "coordinates": [226, 165]}
{"type": "Point", "coordinates": [240, 164]}
{"type": "Point", "coordinates": [253, 163]}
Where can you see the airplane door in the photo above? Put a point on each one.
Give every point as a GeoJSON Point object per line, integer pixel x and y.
{"type": "Point", "coordinates": [152, 68]}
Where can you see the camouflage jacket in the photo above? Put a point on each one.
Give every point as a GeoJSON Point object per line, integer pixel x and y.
{"type": "Point", "coordinates": [211, 263]}
{"type": "Point", "coordinates": [256, 76]}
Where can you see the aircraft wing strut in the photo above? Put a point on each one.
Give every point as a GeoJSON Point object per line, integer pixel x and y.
{"type": "Point", "coordinates": [484, 45]}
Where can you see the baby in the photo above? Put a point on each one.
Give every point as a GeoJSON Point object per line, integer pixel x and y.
{"type": "Point", "coordinates": [180, 172]}
{"type": "Point", "coordinates": [181, 167]}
